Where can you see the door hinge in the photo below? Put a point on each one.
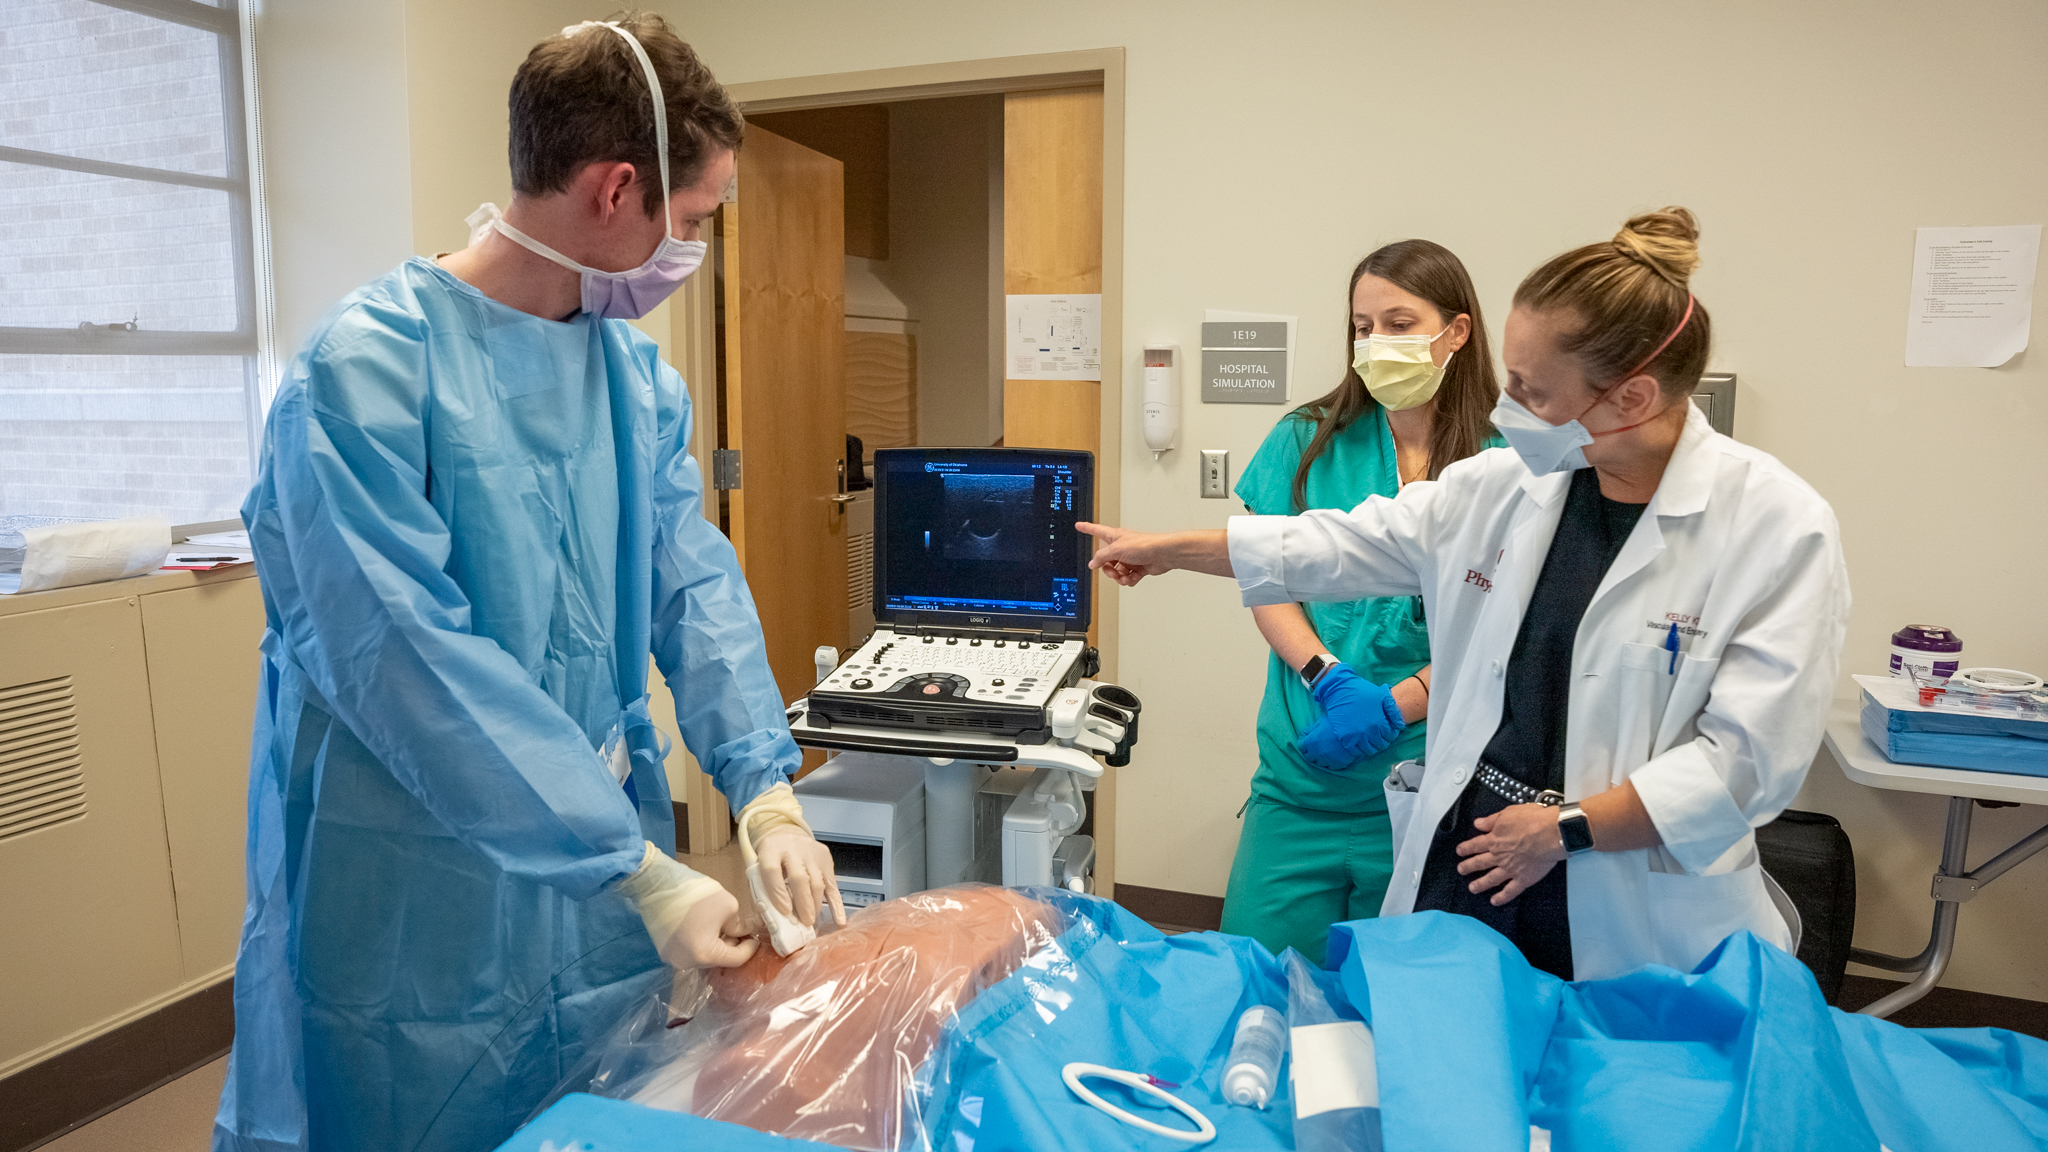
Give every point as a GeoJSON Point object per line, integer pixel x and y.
{"type": "Point", "coordinates": [725, 469]}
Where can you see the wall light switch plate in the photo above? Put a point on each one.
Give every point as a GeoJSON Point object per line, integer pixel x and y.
{"type": "Point", "coordinates": [1215, 473]}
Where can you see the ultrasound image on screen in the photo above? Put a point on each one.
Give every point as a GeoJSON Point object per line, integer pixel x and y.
{"type": "Point", "coordinates": [989, 518]}
{"type": "Point", "coordinates": [981, 531]}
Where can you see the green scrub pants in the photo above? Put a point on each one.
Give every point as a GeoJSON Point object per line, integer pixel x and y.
{"type": "Point", "coordinates": [1298, 871]}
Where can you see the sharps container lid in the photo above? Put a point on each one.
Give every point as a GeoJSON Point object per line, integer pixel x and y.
{"type": "Point", "coordinates": [1927, 638]}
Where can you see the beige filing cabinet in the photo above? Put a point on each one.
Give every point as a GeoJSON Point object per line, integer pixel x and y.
{"type": "Point", "coordinates": [125, 712]}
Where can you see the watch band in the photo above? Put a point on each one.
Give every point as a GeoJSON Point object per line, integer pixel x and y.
{"type": "Point", "coordinates": [1574, 829]}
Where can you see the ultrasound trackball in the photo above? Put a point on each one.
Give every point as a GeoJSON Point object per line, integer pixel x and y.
{"type": "Point", "coordinates": [937, 685]}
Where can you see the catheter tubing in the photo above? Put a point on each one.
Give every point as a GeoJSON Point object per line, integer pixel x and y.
{"type": "Point", "coordinates": [1073, 1073]}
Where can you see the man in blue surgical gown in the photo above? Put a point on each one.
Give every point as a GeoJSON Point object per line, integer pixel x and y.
{"type": "Point", "coordinates": [476, 518]}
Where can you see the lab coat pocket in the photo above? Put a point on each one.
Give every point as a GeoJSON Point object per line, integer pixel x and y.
{"type": "Point", "coordinates": [1689, 692]}
{"type": "Point", "coordinates": [1643, 686]}
{"type": "Point", "coordinates": [1690, 914]}
{"type": "Point", "coordinates": [1403, 797]}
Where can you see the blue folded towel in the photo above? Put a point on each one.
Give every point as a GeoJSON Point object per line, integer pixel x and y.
{"type": "Point", "coordinates": [1959, 741]}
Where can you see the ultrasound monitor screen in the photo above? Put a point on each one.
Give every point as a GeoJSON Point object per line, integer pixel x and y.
{"type": "Point", "coordinates": [983, 530]}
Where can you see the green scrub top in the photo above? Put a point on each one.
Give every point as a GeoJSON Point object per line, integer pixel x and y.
{"type": "Point", "coordinates": [1383, 638]}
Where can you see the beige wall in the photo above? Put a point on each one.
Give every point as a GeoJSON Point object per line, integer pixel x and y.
{"type": "Point", "coordinates": [1270, 148]}
{"type": "Point", "coordinates": [383, 126]}
{"type": "Point", "coordinates": [460, 57]}
{"type": "Point", "coordinates": [332, 94]}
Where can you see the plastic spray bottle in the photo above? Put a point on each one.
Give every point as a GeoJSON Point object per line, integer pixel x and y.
{"type": "Point", "coordinates": [1254, 1066]}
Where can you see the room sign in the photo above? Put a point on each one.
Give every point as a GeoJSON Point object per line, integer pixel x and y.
{"type": "Point", "coordinates": [1244, 362]}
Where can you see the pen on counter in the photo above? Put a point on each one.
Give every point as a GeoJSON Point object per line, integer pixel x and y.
{"type": "Point", "coordinates": [206, 559]}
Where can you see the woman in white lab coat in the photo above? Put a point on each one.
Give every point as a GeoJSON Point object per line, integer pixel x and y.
{"type": "Point", "coordinates": [1636, 624]}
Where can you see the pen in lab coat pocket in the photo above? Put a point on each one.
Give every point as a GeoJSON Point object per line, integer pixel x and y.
{"type": "Point", "coordinates": [1671, 646]}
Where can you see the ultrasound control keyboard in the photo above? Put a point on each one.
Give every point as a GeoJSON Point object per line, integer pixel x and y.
{"type": "Point", "coordinates": [949, 681]}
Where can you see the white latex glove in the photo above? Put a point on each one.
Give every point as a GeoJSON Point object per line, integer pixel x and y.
{"type": "Point", "coordinates": [694, 921]}
{"type": "Point", "coordinates": [796, 869]}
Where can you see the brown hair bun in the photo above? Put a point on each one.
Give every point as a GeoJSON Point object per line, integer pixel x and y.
{"type": "Point", "coordinates": [1666, 242]}
{"type": "Point", "coordinates": [1629, 298]}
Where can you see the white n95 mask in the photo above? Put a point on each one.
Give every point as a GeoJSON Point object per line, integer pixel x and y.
{"type": "Point", "coordinates": [1543, 446]}
{"type": "Point", "coordinates": [1398, 370]}
{"type": "Point", "coordinates": [635, 292]}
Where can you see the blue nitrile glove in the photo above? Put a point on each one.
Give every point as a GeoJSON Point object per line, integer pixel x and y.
{"type": "Point", "coordinates": [1359, 719]}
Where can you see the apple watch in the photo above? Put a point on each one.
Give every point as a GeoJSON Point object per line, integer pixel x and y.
{"type": "Point", "coordinates": [1317, 665]}
{"type": "Point", "coordinates": [1574, 829]}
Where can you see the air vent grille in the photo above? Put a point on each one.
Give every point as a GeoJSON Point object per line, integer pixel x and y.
{"type": "Point", "coordinates": [905, 718]}
{"type": "Point", "coordinates": [860, 571]}
{"type": "Point", "coordinates": [42, 773]}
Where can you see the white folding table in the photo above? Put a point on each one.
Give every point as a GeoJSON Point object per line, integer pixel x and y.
{"type": "Point", "coordinates": [1866, 764]}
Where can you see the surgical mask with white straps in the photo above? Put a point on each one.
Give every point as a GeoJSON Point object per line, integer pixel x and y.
{"type": "Point", "coordinates": [635, 292]}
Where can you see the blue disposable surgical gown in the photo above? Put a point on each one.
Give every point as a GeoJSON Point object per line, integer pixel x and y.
{"type": "Point", "coordinates": [472, 525]}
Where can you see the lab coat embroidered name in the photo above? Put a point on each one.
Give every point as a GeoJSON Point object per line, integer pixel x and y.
{"type": "Point", "coordinates": [1687, 625]}
{"type": "Point", "coordinates": [1472, 577]}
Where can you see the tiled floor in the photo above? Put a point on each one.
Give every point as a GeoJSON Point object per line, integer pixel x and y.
{"type": "Point", "coordinates": [177, 1117]}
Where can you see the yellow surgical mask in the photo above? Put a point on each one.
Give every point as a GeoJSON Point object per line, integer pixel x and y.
{"type": "Point", "coordinates": [1398, 370]}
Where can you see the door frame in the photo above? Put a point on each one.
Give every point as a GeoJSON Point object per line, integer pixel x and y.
{"type": "Point", "coordinates": [988, 77]}
{"type": "Point", "coordinates": [1104, 66]}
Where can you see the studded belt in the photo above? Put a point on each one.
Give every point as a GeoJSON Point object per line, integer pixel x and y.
{"type": "Point", "coordinates": [1514, 791]}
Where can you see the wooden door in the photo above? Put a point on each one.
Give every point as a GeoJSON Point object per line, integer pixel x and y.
{"type": "Point", "coordinates": [785, 395]}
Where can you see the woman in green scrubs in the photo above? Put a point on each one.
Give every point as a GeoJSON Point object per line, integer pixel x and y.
{"type": "Point", "coordinates": [1316, 847]}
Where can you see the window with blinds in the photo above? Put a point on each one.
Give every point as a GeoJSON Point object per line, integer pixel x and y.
{"type": "Point", "coordinates": [129, 301]}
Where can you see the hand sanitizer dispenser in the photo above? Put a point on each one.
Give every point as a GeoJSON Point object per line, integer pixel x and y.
{"type": "Point", "coordinates": [1162, 397]}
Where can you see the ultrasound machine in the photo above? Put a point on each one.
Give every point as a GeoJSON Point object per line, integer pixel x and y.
{"type": "Point", "coordinates": [979, 660]}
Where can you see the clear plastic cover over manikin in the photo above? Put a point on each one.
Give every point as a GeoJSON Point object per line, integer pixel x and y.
{"type": "Point", "coordinates": [824, 1044]}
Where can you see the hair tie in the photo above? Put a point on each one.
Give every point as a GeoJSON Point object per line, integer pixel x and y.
{"type": "Point", "coordinates": [1659, 349]}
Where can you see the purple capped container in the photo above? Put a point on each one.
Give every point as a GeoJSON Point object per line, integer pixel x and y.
{"type": "Point", "coordinates": [1931, 651]}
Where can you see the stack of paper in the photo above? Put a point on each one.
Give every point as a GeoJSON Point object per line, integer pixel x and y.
{"type": "Point", "coordinates": [209, 550]}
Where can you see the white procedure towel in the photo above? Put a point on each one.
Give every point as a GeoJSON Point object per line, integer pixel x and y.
{"type": "Point", "coordinates": [62, 555]}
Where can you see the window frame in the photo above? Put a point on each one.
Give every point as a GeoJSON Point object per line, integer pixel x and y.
{"type": "Point", "coordinates": [114, 338]}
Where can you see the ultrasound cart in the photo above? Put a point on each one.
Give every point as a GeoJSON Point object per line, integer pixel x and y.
{"type": "Point", "coordinates": [979, 663]}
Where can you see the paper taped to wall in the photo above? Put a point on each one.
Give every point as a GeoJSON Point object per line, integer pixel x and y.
{"type": "Point", "coordinates": [1055, 337]}
{"type": "Point", "coordinates": [1973, 294]}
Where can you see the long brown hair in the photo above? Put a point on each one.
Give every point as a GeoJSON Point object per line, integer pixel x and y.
{"type": "Point", "coordinates": [1464, 401]}
{"type": "Point", "coordinates": [1630, 296]}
